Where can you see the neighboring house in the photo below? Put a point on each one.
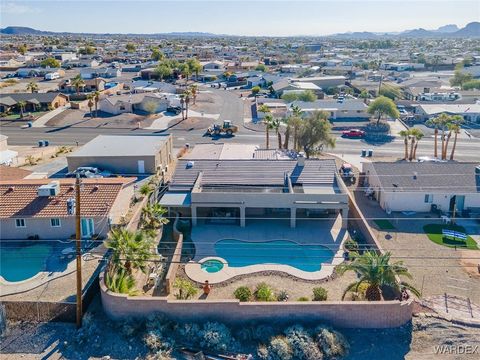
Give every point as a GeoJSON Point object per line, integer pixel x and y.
{"type": "Point", "coordinates": [234, 191]}
{"type": "Point", "coordinates": [34, 101]}
{"type": "Point", "coordinates": [33, 72]}
{"type": "Point", "coordinates": [128, 103]}
{"type": "Point", "coordinates": [13, 173]}
{"type": "Point", "coordinates": [103, 72]}
{"type": "Point", "coordinates": [439, 96]}
{"type": "Point", "coordinates": [469, 112]}
{"type": "Point", "coordinates": [324, 82]}
{"type": "Point", "coordinates": [97, 84]}
{"type": "Point", "coordinates": [278, 108]}
{"type": "Point", "coordinates": [286, 86]}
{"type": "Point", "coordinates": [26, 211]}
{"type": "Point", "coordinates": [7, 156]}
{"type": "Point", "coordinates": [124, 154]}
{"type": "Point", "coordinates": [212, 65]}
{"type": "Point", "coordinates": [82, 62]}
{"type": "Point", "coordinates": [424, 186]}
{"type": "Point", "coordinates": [342, 110]}
{"type": "Point", "coordinates": [140, 86]}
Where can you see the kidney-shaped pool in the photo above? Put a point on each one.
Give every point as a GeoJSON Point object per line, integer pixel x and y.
{"type": "Point", "coordinates": [303, 257]}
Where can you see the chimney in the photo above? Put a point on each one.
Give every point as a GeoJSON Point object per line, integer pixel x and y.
{"type": "Point", "coordinates": [301, 160]}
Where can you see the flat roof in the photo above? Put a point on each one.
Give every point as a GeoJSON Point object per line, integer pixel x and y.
{"type": "Point", "coordinates": [122, 145]}
{"type": "Point", "coordinates": [179, 199]}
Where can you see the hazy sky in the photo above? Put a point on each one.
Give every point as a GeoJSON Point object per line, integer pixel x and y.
{"type": "Point", "coordinates": [259, 17]}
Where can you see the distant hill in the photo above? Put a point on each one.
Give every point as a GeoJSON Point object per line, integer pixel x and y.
{"type": "Point", "coordinates": [450, 28]}
{"type": "Point", "coordinates": [21, 30]}
{"type": "Point", "coordinates": [470, 30]}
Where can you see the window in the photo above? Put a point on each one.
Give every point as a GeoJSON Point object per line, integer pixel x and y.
{"type": "Point", "coordinates": [20, 223]}
{"type": "Point", "coordinates": [428, 198]}
{"type": "Point", "coordinates": [55, 222]}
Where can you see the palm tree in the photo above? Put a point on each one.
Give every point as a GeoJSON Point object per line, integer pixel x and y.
{"type": "Point", "coordinates": [405, 135]}
{"type": "Point", "coordinates": [417, 134]}
{"type": "Point", "coordinates": [194, 92]}
{"type": "Point", "coordinates": [268, 121]}
{"type": "Point", "coordinates": [153, 217]}
{"type": "Point", "coordinates": [263, 109]}
{"type": "Point", "coordinates": [78, 83]}
{"type": "Point", "coordinates": [276, 123]}
{"type": "Point", "coordinates": [434, 122]}
{"type": "Point", "coordinates": [21, 104]}
{"type": "Point", "coordinates": [453, 127]}
{"type": "Point", "coordinates": [187, 101]}
{"type": "Point", "coordinates": [90, 98]}
{"type": "Point", "coordinates": [96, 99]}
{"type": "Point", "coordinates": [129, 249]}
{"type": "Point", "coordinates": [376, 271]}
{"type": "Point", "coordinates": [32, 86]}
{"type": "Point", "coordinates": [296, 122]}
{"type": "Point", "coordinates": [120, 281]}
{"type": "Point", "coordinates": [146, 190]}
{"type": "Point", "coordinates": [288, 122]}
{"type": "Point", "coordinates": [182, 105]}
{"type": "Point", "coordinates": [456, 130]}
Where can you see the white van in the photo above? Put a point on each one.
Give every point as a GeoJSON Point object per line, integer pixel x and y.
{"type": "Point", "coordinates": [52, 76]}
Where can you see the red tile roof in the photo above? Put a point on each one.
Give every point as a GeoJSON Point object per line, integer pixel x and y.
{"type": "Point", "coordinates": [12, 173]}
{"type": "Point", "coordinates": [18, 198]}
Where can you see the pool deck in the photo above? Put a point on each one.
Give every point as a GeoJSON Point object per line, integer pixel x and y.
{"type": "Point", "coordinates": [326, 232]}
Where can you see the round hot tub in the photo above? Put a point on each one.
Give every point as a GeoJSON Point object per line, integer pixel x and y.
{"type": "Point", "coordinates": [212, 266]}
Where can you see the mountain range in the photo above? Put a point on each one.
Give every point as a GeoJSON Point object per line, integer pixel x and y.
{"type": "Point", "coordinates": [447, 31]}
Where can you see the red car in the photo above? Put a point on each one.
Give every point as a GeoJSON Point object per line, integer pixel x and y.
{"type": "Point", "coordinates": [353, 133]}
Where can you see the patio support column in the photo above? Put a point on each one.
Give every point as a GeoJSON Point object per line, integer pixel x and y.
{"type": "Point", "coordinates": [293, 217]}
{"type": "Point", "coordinates": [242, 216]}
{"type": "Point", "coordinates": [194, 215]}
{"type": "Point", "coordinates": [344, 217]}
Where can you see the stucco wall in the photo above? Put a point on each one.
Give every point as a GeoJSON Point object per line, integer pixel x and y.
{"type": "Point", "coordinates": [350, 314]}
{"type": "Point", "coordinates": [119, 165]}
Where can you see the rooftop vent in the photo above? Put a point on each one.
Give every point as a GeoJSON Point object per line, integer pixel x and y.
{"type": "Point", "coordinates": [190, 164]}
{"type": "Point", "coordinates": [301, 160]}
{"type": "Point", "coordinates": [415, 175]}
{"type": "Point", "coordinates": [11, 189]}
{"type": "Point", "coordinates": [51, 189]}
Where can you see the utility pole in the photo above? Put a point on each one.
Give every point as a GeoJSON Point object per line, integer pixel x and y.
{"type": "Point", "coordinates": [78, 237]}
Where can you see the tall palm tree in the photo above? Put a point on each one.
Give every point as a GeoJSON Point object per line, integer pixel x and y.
{"type": "Point", "coordinates": [32, 86]}
{"type": "Point", "coordinates": [194, 92]}
{"type": "Point", "coordinates": [153, 216]}
{"type": "Point", "coordinates": [268, 121]}
{"type": "Point", "coordinates": [90, 104]}
{"type": "Point", "coordinates": [435, 123]}
{"type": "Point", "coordinates": [405, 135]}
{"type": "Point", "coordinates": [377, 271]}
{"type": "Point", "coordinates": [288, 122]}
{"type": "Point", "coordinates": [21, 105]}
{"type": "Point", "coordinates": [297, 122]}
{"type": "Point", "coordinates": [453, 127]}
{"type": "Point", "coordinates": [276, 124]}
{"type": "Point", "coordinates": [96, 99]}
{"type": "Point", "coordinates": [129, 249]}
{"type": "Point", "coordinates": [456, 130]}
{"type": "Point", "coordinates": [187, 94]}
{"type": "Point", "coordinates": [78, 83]}
{"type": "Point", "coordinates": [417, 134]}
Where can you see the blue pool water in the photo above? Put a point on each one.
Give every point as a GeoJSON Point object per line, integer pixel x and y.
{"type": "Point", "coordinates": [303, 257]}
{"type": "Point", "coordinates": [21, 263]}
{"type": "Point", "coordinates": [212, 266]}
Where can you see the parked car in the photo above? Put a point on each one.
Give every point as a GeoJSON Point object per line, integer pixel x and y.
{"type": "Point", "coordinates": [353, 133]}
{"type": "Point", "coordinates": [88, 172]}
{"type": "Point", "coordinates": [174, 109]}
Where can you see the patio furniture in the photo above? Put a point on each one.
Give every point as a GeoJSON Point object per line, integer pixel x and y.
{"type": "Point", "coordinates": [446, 219]}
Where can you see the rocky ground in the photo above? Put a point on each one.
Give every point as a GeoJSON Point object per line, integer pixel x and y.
{"type": "Point", "coordinates": [424, 338]}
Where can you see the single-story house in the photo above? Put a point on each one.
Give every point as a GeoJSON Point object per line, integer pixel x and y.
{"type": "Point", "coordinates": [235, 191]}
{"type": "Point", "coordinates": [285, 86]}
{"type": "Point", "coordinates": [212, 65]}
{"type": "Point", "coordinates": [127, 103]}
{"type": "Point", "coordinates": [100, 72]}
{"type": "Point", "coordinates": [97, 84]}
{"type": "Point", "coordinates": [125, 154]}
{"type": "Point", "coordinates": [33, 72]}
{"type": "Point", "coordinates": [34, 101]}
{"type": "Point", "coordinates": [140, 86]}
{"type": "Point", "coordinates": [278, 108]}
{"type": "Point", "coordinates": [424, 186]}
{"type": "Point", "coordinates": [469, 112]}
{"type": "Point", "coordinates": [38, 207]}
{"type": "Point", "coordinates": [341, 110]}
{"type": "Point", "coordinates": [7, 156]}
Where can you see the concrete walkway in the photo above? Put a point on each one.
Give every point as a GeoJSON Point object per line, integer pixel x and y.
{"type": "Point", "coordinates": [42, 120]}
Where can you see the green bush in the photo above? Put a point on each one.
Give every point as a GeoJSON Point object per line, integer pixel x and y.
{"type": "Point", "coordinates": [320, 294]}
{"type": "Point", "coordinates": [186, 289]}
{"type": "Point", "coordinates": [282, 295]}
{"type": "Point", "coordinates": [264, 292]}
{"type": "Point", "coordinates": [303, 298]}
{"type": "Point", "coordinates": [351, 245]}
{"type": "Point", "coordinates": [243, 293]}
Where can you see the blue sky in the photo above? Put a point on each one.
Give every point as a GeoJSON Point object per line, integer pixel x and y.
{"type": "Point", "coordinates": [239, 17]}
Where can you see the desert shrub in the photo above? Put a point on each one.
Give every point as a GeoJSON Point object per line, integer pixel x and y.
{"type": "Point", "coordinates": [186, 289]}
{"type": "Point", "coordinates": [331, 342]}
{"type": "Point", "coordinates": [302, 345]}
{"type": "Point", "coordinates": [282, 295]}
{"type": "Point", "coordinates": [303, 298]}
{"type": "Point", "coordinates": [262, 352]}
{"type": "Point", "coordinates": [320, 294]}
{"type": "Point", "coordinates": [279, 349]}
{"type": "Point", "coordinates": [190, 331]}
{"type": "Point", "coordinates": [382, 127]}
{"type": "Point", "coordinates": [264, 292]}
{"type": "Point", "coordinates": [243, 293]}
{"type": "Point", "coordinates": [130, 327]}
{"type": "Point", "coordinates": [215, 336]}
{"type": "Point", "coordinates": [160, 355]}
{"type": "Point", "coordinates": [351, 245]}
{"type": "Point", "coordinates": [360, 293]}
{"type": "Point", "coordinates": [156, 341]}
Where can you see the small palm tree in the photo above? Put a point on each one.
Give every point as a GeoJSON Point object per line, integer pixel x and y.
{"type": "Point", "coordinates": [405, 135]}
{"type": "Point", "coordinates": [90, 104]}
{"type": "Point", "coordinates": [146, 190]}
{"type": "Point", "coordinates": [376, 271]}
{"type": "Point", "coordinates": [187, 94]}
{"type": "Point", "coordinates": [21, 105]}
{"type": "Point", "coordinates": [96, 99]}
{"type": "Point", "coordinates": [120, 281]}
{"type": "Point", "coordinates": [194, 92]}
{"type": "Point", "coordinates": [153, 217]}
{"type": "Point", "coordinates": [78, 83]}
{"type": "Point", "coordinates": [129, 249]}
{"type": "Point", "coordinates": [32, 86]}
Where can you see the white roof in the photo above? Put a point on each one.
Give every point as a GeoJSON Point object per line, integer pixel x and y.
{"type": "Point", "coordinates": [433, 109]}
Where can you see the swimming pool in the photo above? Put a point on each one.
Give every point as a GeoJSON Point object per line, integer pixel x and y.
{"type": "Point", "coordinates": [18, 263]}
{"type": "Point", "coordinates": [303, 257]}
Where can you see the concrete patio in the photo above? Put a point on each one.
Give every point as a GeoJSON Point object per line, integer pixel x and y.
{"type": "Point", "coordinates": [327, 232]}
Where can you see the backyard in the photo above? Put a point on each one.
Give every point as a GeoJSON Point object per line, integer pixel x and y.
{"type": "Point", "coordinates": [434, 233]}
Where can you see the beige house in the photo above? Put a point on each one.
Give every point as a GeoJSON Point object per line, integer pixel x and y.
{"type": "Point", "coordinates": [148, 102]}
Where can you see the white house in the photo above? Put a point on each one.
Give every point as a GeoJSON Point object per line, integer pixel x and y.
{"type": "Point", "coordinates": [346, 109]}
{"type": "Point", "coordinates": [470, 112]}
{"type": "Point", "coordinates": [424, 186]}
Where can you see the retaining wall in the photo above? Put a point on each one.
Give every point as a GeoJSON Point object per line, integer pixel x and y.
{"type": "Point", "coordinates": [349, 314]}
{"type": "Point", "coordinates": [177, 256]}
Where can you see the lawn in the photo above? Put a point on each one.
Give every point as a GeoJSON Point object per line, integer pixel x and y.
{"type": "Point", "coordinates": [434, 233]}
{"type": "Point", "coordinates": [384, 224]}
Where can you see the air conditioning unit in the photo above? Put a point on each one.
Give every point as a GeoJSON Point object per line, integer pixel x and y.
{"type": "Point", "coordinates": [51, 189]}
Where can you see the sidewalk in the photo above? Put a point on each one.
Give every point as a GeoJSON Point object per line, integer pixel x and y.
{"type": "Point", "coordinates": [162, 122]}
{"type": "Point", "coordinates": [42, 120]}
